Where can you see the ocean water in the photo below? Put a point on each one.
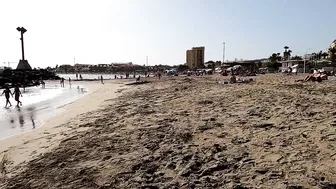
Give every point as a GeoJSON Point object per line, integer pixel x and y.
{"type": "Point", "coordinates": [37, 105]}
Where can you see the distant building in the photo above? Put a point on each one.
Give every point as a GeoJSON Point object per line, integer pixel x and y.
{"type": "Point", "coordinates": [195, 57]}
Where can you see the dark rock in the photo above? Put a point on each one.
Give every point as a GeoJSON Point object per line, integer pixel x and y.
{"type": "Point", "coordinates": [205, 102]}
{"type": "Point", "coordinates": [217, 167]}
{"type": "Point", "coordinates": [240, 187]}
{"type": "Point", "coordinates": [265, 126]}
{"type": "Point", "coordinates": [25, 78]}
{"type": "Point", "coordinates": [239, 140]}
{"type": "Point", "coordinates": [150, 187]}
{"type": "Point", "coordinates": [328, 186]}
{"type": "Point", "coordinates": [294, 187]}
{"type": "Point", "coordinates": [262, 171]}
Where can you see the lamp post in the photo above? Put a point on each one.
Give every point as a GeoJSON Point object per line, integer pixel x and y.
{"type": "Point", "coordinates": [22, 30]}
{"type": "Point", "coordinates": [23, 64]}
{"type": "Point", "coordinates": [223, 53]}
{"type": "Point", "coordinates": [304, 61]}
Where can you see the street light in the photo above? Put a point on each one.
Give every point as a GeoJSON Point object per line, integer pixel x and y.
{"type": "Point", "coordinates": [223, 52]}
{"type": "Point", "coordinates": [23, 64]}
{"type": "Point", "coordinates": [304, 60]}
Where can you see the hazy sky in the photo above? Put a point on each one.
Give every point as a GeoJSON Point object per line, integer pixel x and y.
{"type": "Point", "coordinates": [105, 31]}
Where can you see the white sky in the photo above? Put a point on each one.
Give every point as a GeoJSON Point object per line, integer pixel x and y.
{"type": "Point", "coordinates": [101, 31]}
{"type": "Point", "coordinates": [106, 31]}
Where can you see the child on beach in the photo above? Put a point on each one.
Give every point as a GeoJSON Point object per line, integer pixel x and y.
{"type": "Point", "coordinates": [7, 92]}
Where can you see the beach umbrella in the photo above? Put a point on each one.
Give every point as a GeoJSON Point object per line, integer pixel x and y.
{"type": "Point", "coordinates": [295, 66]}
{"type": "Point", "coordinates": [237, 66]}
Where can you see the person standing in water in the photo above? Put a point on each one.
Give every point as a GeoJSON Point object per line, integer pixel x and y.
{"type": "Point", "coordinates": [62, 82]}
{"type": "Point", "coordinates": [17, 94]}
{"type": "Point", "coordinates": [7, 92]}
{"type": "Point", "coordinates": [43, 84]}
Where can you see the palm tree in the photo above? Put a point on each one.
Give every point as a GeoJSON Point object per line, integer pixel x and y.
{"type": "Point", "coordinates": [332, 52]}
{"type": "Point", "coordinates": [289, 53]}
{"type": "Point", "coordinates": [319, 55]}
{"type": "Point", "coordinates": [274, 58]}
{"type": "Point", "coordinates": [286, 53]}
{"type": "Point", "coordinates": [325, 55]}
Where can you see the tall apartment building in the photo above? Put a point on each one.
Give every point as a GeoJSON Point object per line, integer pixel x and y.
{"type": "Point", "coordinates": [195, 57]}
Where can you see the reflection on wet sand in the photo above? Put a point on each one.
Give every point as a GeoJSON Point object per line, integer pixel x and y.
{"type": "Point", "coordinates": [32, 115]}
{"type": "Point", "coordinates": [21, 117]}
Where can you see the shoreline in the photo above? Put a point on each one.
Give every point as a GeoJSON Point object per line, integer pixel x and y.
{"type": "Point", "coordinates": [34, 113]}
{"type": "Point", "coordinates": [25, 146]}
{"type": "Point", "coordinates": [191, 132]}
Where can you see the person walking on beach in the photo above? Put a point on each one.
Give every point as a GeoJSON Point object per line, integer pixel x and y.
{"type": "Point", "coordinates": [70, 82]}
{"type": "Point", "coordinates": [76, 75]}
{"type": "Point", "coordinates": [80, 77]}
{"type": "Point", "coordinates": [17, 94]}
{"type": "Point", "coordinates": [7, 92]}
{"type": "Point", "coordinates": [62, 82]}
{"type": "Point", "coordinates": [102, 79]}
{"type": "Point", "coordinates": [43, 84]}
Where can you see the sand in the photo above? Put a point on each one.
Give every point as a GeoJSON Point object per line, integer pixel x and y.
{"type": "Point", "coordinates": [25, 147]}
{"type": "Point", "coordinates": [191, 132]}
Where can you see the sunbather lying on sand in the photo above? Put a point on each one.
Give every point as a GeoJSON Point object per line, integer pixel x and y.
{"type": "Point", "coordinates": [233, 79]}
{"type": "Point", "coordinates": [315, 77]}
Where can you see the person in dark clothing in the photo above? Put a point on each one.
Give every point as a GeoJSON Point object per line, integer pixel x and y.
{"type": "Point", "coordinates": [7, 92]}
{"type": "Point", "coordinates": [62, 82]}
{"type": "Point", "coordinates": [102, 79]}
{"type": "Point", "coordinates": [43, 84]}
{"type": "Point", "coordinates": [17, 94]}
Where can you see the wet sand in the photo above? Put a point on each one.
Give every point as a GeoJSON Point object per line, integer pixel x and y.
{"type": "Point", "coordinates": [192, 133]}
{"type": "Point", "coordinates": [27, 146]}
{"type": "Point", "coordinates": [38, 105]}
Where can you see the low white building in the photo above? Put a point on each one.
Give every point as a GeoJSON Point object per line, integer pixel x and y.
{"type": "Point", "coordinates": [290, 63]}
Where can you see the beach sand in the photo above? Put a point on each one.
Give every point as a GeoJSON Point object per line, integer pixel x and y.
{"type": "Point", "coordinates": [25, 147]}
{"type": "Point", "coordinates": [188, 132]}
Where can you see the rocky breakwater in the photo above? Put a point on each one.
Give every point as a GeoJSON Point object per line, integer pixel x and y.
{"type": "Point", "coordinates": [25, 78]}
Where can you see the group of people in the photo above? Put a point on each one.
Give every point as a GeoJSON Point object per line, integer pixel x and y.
{"type": "Point", "coordinates": [17, 94]}
{"type": "Point", "coordinates": [80, 76]}
{"type": "Point", "coordinates": [317, 76]}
